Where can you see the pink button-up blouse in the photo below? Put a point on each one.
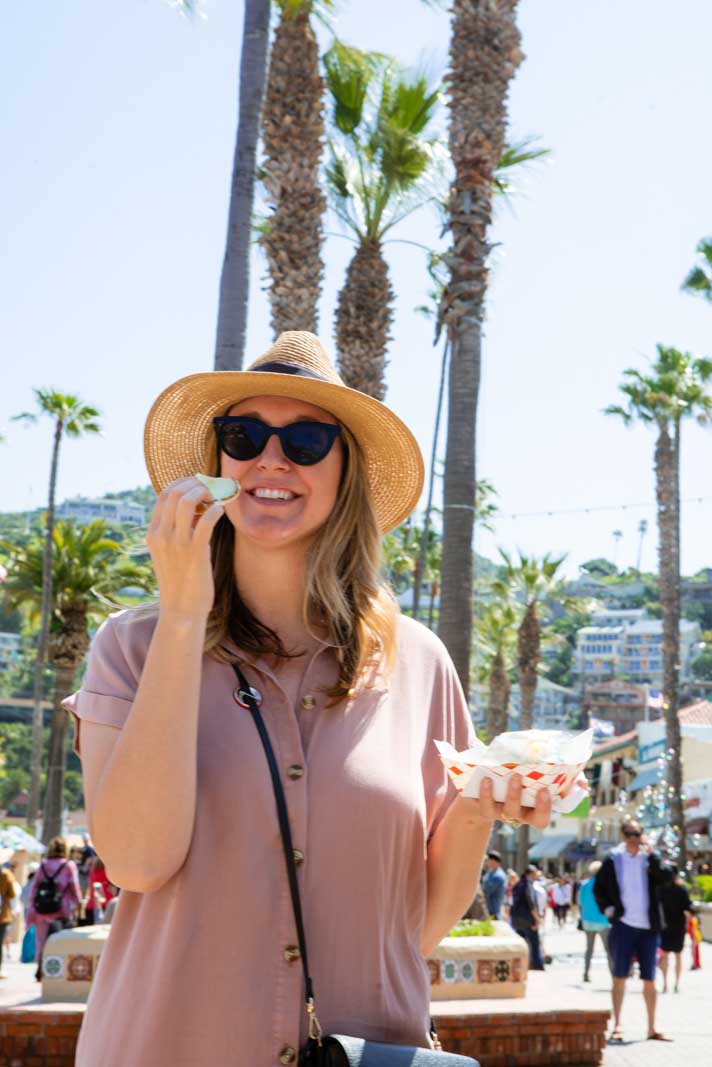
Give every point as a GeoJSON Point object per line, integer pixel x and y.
{"type": "Point", "coordinates": [201, 972]}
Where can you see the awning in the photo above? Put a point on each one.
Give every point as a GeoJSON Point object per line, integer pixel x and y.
{"type": "Point", "coordinates": [550, 846]}
{"type": "Point", "coordinates": [646, 777]}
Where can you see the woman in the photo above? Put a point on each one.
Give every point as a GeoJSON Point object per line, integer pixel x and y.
{"type": "Point", "coordinates": [525, 916]}
{"type": "Point", "coordinates": [56, 881]}
{"type": "Point", "coordinates": [285, 580]}
{"type": "Point", "coordinates": [593, 921]}
{"type": "Point", "coordinates": [100, 892]}
{"type": "Point", "coordinates": [677, 909]}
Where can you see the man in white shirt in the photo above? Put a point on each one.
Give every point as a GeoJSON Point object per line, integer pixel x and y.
{"type": "Point", "coordinates": [625, 890]}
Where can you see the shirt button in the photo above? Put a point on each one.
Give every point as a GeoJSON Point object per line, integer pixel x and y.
{"type": "Point", "coordinates": [291, 953]}
{"type": "Point", "coordinates": [308, 702]}
{"type": "Point", "coordinates": [298, 856]}
{"type": "Point", "coordinates": [287, 1055]}
{"type": "Point", "coordinates": [295, 771]}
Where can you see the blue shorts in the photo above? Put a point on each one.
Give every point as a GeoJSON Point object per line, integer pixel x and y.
{"type": "Point", "coordinates": [628, 942]}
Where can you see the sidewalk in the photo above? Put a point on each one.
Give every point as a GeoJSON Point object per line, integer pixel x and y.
{"type": "Point", "coordinates": [685, 1016]}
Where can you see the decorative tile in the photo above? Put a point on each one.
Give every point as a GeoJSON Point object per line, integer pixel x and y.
{"type": "Point", "coordinates": [449, 970]}
{"type": "Point", "coordinates": [53, 966]}
{"type": "Point", "coordinates": [434, 968]}
{"type": "Point", "coordinates": [484, 971]}
{"type": "Point", "coordinates": [80, 968]}
{"type": "Point", "coordinates": [467, 971]}
{"type": "Point", "coordinates": [515, 966]}
{"type": "Point", "coordinates": [501, 970]}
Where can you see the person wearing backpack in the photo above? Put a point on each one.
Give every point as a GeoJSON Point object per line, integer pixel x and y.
{"type": "Point", "coordinates": [54, 897]}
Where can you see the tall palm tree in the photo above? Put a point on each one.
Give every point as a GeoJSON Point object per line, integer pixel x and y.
{"type": "Point", "coordinates": [533, 583]}
{"type": "Point", "coordinates": [382, 160]}
{"type": "Point", "coordinates": [674, 389]}
{"type": "Point", "coordinates": [699, 280]}
{"type": "Point", "coordinates": [235, 276]}
{"type": "Point", "coordinates": [73, 418]}
{"type": "Point", "coordinates": [293, 137]}
{"type": "Point", "coordinates": [484, 55]}
{"type": "Point", "coordinates": [88, 569]}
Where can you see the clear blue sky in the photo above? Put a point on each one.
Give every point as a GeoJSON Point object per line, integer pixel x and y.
{"type": "Point", "coordinates": [118, 127]}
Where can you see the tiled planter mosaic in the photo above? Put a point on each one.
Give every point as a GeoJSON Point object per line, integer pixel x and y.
{"type": "Point", "coordinates": [462, 968]}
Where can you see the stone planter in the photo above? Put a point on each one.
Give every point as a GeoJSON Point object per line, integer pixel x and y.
{"type": "Point", "coordinates": [462, 968]}
{"type": "Point", "coordinates": [704, 914]}
{"type": "Point", "coordinates": [70, 962]}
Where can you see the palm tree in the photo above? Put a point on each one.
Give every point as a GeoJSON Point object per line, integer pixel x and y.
{"type": "Point", "coordinates": [699, 279]}
{"type": "Point", "coordinates": [484, 55]}
{"type": "Point", "coordinates": [496, 641]}
{"type": "Point", "coordinates": [75, 419]}
{"type": "Point", "coordinates": [293, 136]}
{"type": "Point", "coordinates": [674, 389]}
{"type": "Point", "coordinates": [87, 571]}
{"type": "Point", "coordinates": [381, 162]}
{"type": "Point", "coordinates": [235, 276]}
{"type": "Point", "coordinates": [534, 583]}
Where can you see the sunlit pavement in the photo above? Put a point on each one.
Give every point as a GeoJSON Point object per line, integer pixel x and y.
{"type": "Point", "coordinates": [684, 1016]}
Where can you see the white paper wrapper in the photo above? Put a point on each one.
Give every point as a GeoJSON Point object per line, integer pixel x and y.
{"type": "Point", "coordinates": [551, 758]}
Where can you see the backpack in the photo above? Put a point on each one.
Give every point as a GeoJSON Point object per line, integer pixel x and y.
{"type": "Point", "coordinates": [48, 897]}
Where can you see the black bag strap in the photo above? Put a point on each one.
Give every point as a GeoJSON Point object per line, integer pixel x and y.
{"type": "Point", "coordinates": [246, 697]}
{"type": "Point", "coordinates": [245, 694]}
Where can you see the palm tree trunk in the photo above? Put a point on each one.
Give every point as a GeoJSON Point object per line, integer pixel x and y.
{"type": "Point", "coordinates": [667, 475]}
{"type": "Point", "coordinates": [235, 277]}
{"type": "Point", "coordinates": [420, 570]}
{"type": "Point", "coordinates": [484, 54]}
{"type": "Point", "coordinates": [363, 320]}
{"type": "Point", "coordinates": [293, 133]}
{"type": "Point", "coordinates": [53, 807]}
{"type": "Point", "coordinates": [528, 642]}
{"type": "Point", "coordinates": [43, 636]}
{"type": "Point", "coordinates": [498, 702]}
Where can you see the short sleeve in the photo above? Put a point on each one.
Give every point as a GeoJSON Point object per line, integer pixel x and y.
{"type": "Point", "coordinates": [450, 720]}
{"type": "Point", "coordinates": [111, 679]}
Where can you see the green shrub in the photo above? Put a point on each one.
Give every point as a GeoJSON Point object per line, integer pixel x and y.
{"type": "Point", "coordinates": [704, 886]}
{"type": "Point", "coordinates": [472, 928]}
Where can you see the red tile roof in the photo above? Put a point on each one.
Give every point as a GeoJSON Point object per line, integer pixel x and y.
{"type": "Point", "coordinates": [699, 714]}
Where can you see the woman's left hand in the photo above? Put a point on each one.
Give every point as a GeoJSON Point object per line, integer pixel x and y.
{"type": "Point", "coordinates": [510, 810]}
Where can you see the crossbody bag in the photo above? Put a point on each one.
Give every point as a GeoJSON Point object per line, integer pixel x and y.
{"type": "Point", "coordinates": [333, 1050]}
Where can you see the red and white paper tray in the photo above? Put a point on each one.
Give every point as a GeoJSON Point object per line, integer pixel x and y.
{"type": "Point", "coordinates": [551, 758]}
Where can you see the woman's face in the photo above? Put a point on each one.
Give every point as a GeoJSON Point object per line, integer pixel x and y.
{"type": "Point", "coordinates": [312, 490]}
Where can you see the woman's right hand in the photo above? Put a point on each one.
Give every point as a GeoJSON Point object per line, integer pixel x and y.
{"type": "Point", "coordinates": [179, 543]}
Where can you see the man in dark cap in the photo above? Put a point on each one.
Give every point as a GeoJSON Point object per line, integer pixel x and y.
{"type": "Point", "coordinates": [494, 884]}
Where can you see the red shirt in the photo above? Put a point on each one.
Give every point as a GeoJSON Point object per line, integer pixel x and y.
{"type": "Point", "coordinates": [107, 889]}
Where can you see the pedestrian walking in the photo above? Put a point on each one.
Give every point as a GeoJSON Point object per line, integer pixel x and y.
{"type": "Point", "coordinates": [512, 879]}
{"type": "Point", "coordinates": [100, 892]}
{"type": "Point", "coordinates": [525, 916]}
{"type": "Point", "coordinates": [8, 893]}
{"type": "Point", "coordinates": [494, 884]}
{"type": "Point", "coordinates": [54, 896]}
{"type": "Point", "coordinates": [678, 909]}
{"type": "Point", "coordinates": [274, 662]}
{"type": "Point", "coordinates": [561, 893]}
{"type": "Point", "coordinates": [593, 922]}
{"type": "Point", "coordinates": [626, 891]}
{"type": "Point", "coordinates": [86, 858]}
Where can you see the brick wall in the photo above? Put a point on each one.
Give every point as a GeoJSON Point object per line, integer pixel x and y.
{"type": "Point", "coordinates": [38, 1038]}
{"type": "Point", "coordinates": [46, 1038]}
{"type": "Point", "coordinates": [526, 1039]}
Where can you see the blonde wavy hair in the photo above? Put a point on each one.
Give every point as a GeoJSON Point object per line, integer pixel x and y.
{"type": "Point", "coordinates": [345, 597]}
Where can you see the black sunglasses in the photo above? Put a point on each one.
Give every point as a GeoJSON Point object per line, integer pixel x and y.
{"type": "Point", "coordinates": [632, 833]}
{"type": "Point", "coordinates": [305, 443]}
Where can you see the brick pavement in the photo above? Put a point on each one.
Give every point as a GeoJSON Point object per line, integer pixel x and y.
{"type": "Point", "coordinates": [685, 1016]}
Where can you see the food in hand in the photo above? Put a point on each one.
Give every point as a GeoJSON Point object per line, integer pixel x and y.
{"type": "Point", "coordinates": [553, 759]}
{"type": "Point", "coordinates": [222, 489]}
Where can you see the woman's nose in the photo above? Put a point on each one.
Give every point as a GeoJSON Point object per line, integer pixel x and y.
{"type": "Point", "coordinates": [272, 454]}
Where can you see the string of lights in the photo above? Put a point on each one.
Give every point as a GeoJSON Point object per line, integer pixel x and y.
{"type": "Point", "coordinates": [590, 510]}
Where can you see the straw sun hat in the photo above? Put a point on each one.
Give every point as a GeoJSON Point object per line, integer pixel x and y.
{"type": "Point", "coordinates": [179, 440]}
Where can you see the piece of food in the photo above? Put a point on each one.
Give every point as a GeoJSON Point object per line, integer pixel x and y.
{"type": "Point", "coordinates": [222, 489]}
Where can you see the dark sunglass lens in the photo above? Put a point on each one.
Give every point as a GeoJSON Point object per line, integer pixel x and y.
{"type": "Point", "coordinates": [307, 442]}
{"type": "Point", "coordinates": [242, 440]}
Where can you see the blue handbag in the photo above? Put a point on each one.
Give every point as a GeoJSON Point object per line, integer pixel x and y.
{"type": "Point", "coordinates": [29, 944]}
{"type": "Point", "coordinates": [335, 1050]}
